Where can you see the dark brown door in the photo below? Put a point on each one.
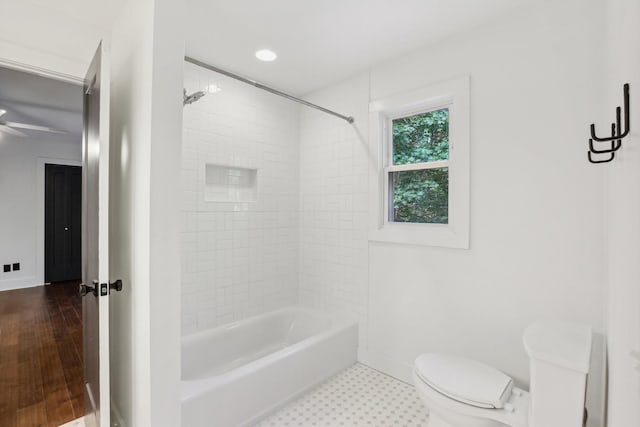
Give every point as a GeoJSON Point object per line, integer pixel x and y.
{"type": "Point", "coordinates": [63, 224]}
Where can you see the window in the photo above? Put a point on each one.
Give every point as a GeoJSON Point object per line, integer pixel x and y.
{"type": "Point", "coordinates": [418, 170]}
{"type": "Point", "coordinates": [420, 190]}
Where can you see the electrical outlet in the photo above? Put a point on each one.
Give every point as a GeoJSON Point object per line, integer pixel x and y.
{"type": "Point", "coordinates": [7, 268]}
{"type": "Point", "coordinates": [16, 266]}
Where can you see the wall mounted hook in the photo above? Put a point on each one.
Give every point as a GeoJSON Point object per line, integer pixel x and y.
{"type": "Point", "coordinates": [627, 116]}
{"type": "Point", "coordinates": [615, 144]}
{"type": "Point", "coordinates": [616, 132]}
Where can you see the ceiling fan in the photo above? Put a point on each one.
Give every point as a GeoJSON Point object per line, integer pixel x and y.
{"type": "Point", "coordinates": [12, 127]}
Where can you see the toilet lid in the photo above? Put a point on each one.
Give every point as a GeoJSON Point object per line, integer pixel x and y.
{"type": "Point", "coordinates": [465, 380]}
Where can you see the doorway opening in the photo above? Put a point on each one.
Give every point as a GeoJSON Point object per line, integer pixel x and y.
{"type": "Point", "coordinates": [41, 348]}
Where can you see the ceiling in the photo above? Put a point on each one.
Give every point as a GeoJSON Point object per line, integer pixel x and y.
{"type": "Point", "coordinates": [321, 42]}
{"type": "Point", "coordinates": [62, 32]}
{"type": "Point", "coordinates": [318, 42]}
{"type": "Point", "coordinates": [36, 100]}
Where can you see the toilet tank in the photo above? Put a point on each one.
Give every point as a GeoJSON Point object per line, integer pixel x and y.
{"type": "Point", "coordinates": [559, 358]}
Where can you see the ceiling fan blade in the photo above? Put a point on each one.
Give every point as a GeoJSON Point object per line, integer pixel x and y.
{"type": "Point", "coordinates": [11, 131]}
{"type": "Point", "coordinates": [31, 127]}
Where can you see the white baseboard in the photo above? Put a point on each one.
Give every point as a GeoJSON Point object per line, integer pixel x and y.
{"type": "Point", "coordinates": [387, 365]}
{"type": "Point", "coordinates": [21, 283]}
{"type": "Point", "coordinates": [79, 422]}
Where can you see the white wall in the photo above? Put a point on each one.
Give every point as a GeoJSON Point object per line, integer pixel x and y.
{"type": "Point", "coordinates": [239, 258]}
{"type": "Point", "coordinates": [146, 105]}
{"type": "Point", "coordinates": [537, 235]}
{"type": "Point", "coordinates": [164, 217]}
{"type": "Point", "coordinates": [22, 210]}
{"type": "Point", "coordinates": [623, 213]}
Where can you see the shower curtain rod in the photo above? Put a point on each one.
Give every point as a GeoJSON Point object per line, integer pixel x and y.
{"type": "Point", "coordinates": [267, 88]}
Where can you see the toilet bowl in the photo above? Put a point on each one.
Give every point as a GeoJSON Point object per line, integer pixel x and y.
{"type": "Point", "coordinates": [460, 392]}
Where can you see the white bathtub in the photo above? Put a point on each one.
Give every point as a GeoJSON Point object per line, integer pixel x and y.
{"type": "Point", "coordinates": [236, 374]}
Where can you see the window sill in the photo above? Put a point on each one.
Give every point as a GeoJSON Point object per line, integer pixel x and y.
{"type": "Point", "coordinates": [442, 236]}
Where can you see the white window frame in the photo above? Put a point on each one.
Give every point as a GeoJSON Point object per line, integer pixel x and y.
{"type": "Point", "coordinates": [451, 94]}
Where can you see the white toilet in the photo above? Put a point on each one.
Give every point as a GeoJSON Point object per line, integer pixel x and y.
{"type": "Point", "coordinates": [459, 392]}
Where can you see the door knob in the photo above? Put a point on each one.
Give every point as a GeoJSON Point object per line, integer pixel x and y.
{"type": "Point", "coordinates": [86, 289]}
{"type": "Point", "coordinates": [116, 286]}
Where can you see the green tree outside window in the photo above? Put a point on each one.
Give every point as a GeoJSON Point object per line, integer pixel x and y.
{"type": "Point", "coordinates": [422, 195]}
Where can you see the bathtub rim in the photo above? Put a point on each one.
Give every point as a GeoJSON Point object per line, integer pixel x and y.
{"type": "Point", "coordinates": [235, 324]}
{"type": "Point", "coordinates": [191, 389]}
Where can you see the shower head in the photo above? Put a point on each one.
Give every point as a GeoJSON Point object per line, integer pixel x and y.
{"type": "Point", "coordinates": [190, 99]}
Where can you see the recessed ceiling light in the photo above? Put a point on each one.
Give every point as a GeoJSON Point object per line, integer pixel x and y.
{"type": "Point", "coordinates": [2, 112]}
{"type": "Point", "coordinates": [266, 55]}
{"type": "Point", "coordinates": [213, 88]}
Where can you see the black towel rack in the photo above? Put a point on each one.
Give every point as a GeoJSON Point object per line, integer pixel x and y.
{"type": "Point", "coordinates": [617, 135]}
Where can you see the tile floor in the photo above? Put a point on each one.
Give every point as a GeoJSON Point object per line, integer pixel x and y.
{"type": "Point", "coordinates": [359, 396]}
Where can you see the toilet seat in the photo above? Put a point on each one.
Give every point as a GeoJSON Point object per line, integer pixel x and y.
{"type": "Point", "coordinates": [465, 380]}
{"type": "Point", "coordinates": [459, 414]}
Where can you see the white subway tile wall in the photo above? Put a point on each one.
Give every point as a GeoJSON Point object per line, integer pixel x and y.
{"type": "Point", "coordinates": [238, 258]}
{"type": "Point", "coordinates": [334, 190]}
{"type": "Point", "coordinates": [304, 240]}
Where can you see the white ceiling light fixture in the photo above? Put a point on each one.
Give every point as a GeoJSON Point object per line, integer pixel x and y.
{"type": "Point", "coordinates": [2, 112]}
{"type": "Point", "coordinates": [212, 88]}
{"type": "Point", "coordinates": [266, 55]}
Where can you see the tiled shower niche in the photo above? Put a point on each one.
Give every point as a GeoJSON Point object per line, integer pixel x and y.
{"type": "Point", "coordinates": [230, 184]}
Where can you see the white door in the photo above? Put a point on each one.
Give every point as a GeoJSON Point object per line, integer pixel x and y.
{"type": "Point", "coordinates": [95, 244]}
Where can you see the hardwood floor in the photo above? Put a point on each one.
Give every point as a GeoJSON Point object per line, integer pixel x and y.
{"type": "Point", "coordinates": [41, 368]}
